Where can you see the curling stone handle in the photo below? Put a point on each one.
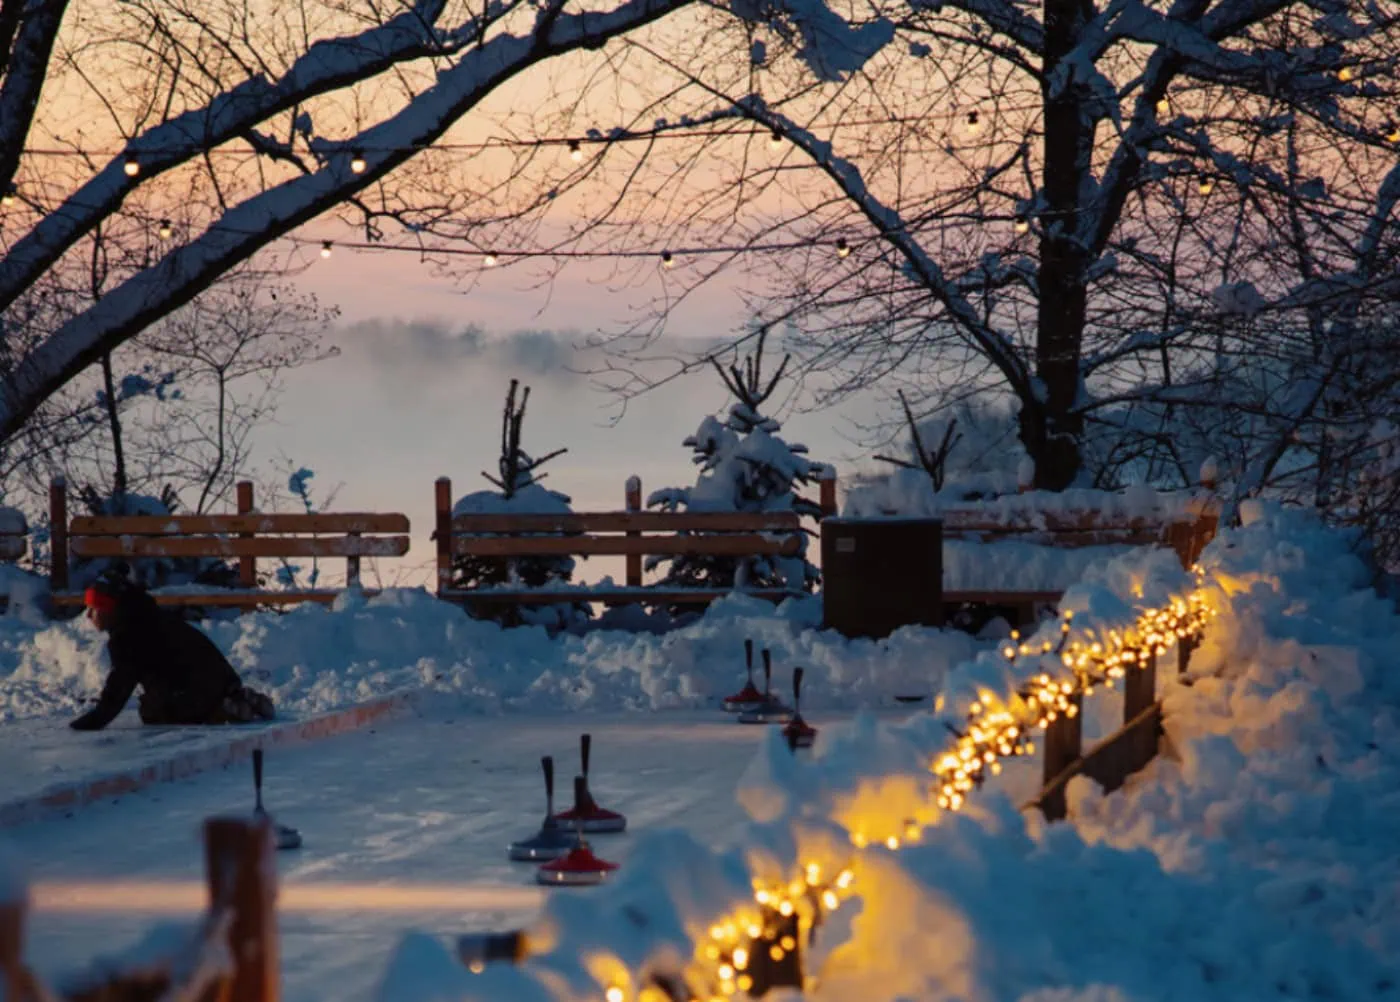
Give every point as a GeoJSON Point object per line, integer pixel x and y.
{"type": "Point", "coordinates": [580, 797]}
{"type": "Point", "coordinates": [748, 657]}
{"type": "Point", "coordinates": [584, 744]}
{"type": "Point", "coordinates": [796, 686]}
{"type": "Point", "coordinates": [547, 763]}
{"type": "Point", "coordinates": [257, 779]}
{"type": "Point", "coordinates": [767, 670]}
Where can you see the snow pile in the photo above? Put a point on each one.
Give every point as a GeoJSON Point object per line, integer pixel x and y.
{"type": "Point", "coordinates": [313, 659]}
{"type": "Point", "coordinates": [1259, 865]}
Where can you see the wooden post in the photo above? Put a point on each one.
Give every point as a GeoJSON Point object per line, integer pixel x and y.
{"type": "Point", "coordinates": [442, 532]}
{"type": "Point", "coordinates": [1184, 647]}
{"type": "Point", "coordinates": [828, 495]}
{"type": "Point", "coordinates": [247, 566]}
{"type": "Point", "coordinates": [242, 874]}
{"type": "Point", "coordinates": [58, 535]}
{"type": "Point", "coordinates": [1063, 740]}
{"type": "Point", "coordinates": [352, 566]}
{"type": "Point", "coordinates": [12, 972]}
{"type": "Point", "coordinates": [1139, 693]}
{"type": "Point", "coordinates": [784, 970]}
{"type": "Point", "coordinates": [632, 501]}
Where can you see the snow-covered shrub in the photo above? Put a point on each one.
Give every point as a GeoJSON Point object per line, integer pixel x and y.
{"type": "Point", "coordinates": [518, 492]}
{"type": "Point", "coordinates": [745, 466]}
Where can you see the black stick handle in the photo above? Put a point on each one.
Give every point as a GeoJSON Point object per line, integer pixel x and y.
{"type": "Point", "coordinates": [580, 795]}
{"type": "Point", "coordinates": [796, 687]}
{"type": "Point", "coordinates": [257, 776]}
{"type": "Point", "coordinates": [767, 671]}
{"type": "Point", "coordinates": [584, 744]}
{"type": "Point", "coordinates": [748, 658]}
{"type": "Point", "coordinates": [547, 763]}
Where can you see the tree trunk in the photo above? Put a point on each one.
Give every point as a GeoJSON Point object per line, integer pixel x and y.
{"type": "Point", "coordinates": [114, 420]}
{"type": "Point", "coordinates": [1050, 426]}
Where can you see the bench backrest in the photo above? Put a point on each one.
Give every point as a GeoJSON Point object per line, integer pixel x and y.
{"type": "Point", "coordinates": [247, 536]}
{"type": "Point", "coordinates": [631, 533]}
{"type": "Point", "coordinates": [1187, 532]}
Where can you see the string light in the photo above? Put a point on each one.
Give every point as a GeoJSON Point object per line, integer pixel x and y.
{"type": "Point", "coordinates": [489, 260]}
{"type": "Point", "coordinates": [1345, 74]}
{"type": "Point", "coordinates": [1206, 185]}
{"type": "Point", "coordinates": [974, 123]}
{"type": "Point", "coordinates": [357, 163]}
{"type": "Point", "coordinates": [325, 248]}
{"type": "Point", "coordinates": [775, 139]}
{"type": "Point", "coordinates": [996, 728]}
{"type": "Point", "coordinates": [1023, 225]}
{"type": "Point", "coordinates": [575, 151]}
{"type": "Point", "coordinates": [667, 259]}
{"type": "Point", "coordinates": [843, 249]}
{"type": "Point", "coordinates": [1163, 106]}
{"type": "Point", "coordinates": [8, 198]}
{"type": "Point", "coordinates": [132, 167]}
{"type": "Point", "coordinates": [165, 229]}
{"type": "Point", "coordinates": [1392, 132]}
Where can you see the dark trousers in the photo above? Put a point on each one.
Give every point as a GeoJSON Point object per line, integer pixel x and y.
{"type": "Point", "coordinates": [240, 705]}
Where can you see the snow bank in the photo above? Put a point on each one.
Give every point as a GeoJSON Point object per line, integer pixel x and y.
{"type": "Point", "coordinates": [13, 522]}
{"type": "Point", "coordinates": [1260, 864]}
{"type": "Point", "coordinates": [314, 659]}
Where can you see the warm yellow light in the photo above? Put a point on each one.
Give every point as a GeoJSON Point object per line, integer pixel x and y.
{"type": "Point", "coordinates": [667, 260]}
{"type": "Point", "coordinates": [165, 229]}
{"type": "Point", "coordinates": [741, 958]}
{"type": "Point", "coordinates": [830, 900]}
{"type": "Point", "coordinates": [974, 123]}
{"type": "Point", "coordinates": [788, 943]}
{"type": "Point", "coordinates": [843, 249]}
{"type": "Point", "coordinates": [745, 982]}
{"type": "Point", "coordinates": [613, 994]}
{"type": "Point", "coordinates": [711, 951]}
{"type": "Point", "coordinates": [775, 139]}
{"type": "Point", "coordinates": [1163, 106]}
{"type": "Point", "coordinates": [892, 842]}
{"type": "Point", "coordinates": [843, 881]}
{"type": "Point", "coordinates": [725, 972]}
{"type": "Point", "coordinates": [489, 260]}
{"type": "Point", "coordinates": [775, 951]}
{"type": "Point", "coordinates": [1393, 133]}
{"type": "Point", "coordinates": [1206, 185]}
{"type": "Point", "coordinates": [785, 908]}
{"type": "Point", "coordinates": [132, 167]}
{"type": "Point", "coordinates": [357, 163]}
{"type": "Point", "coordinates": [1345, 74]}
{"type": "Point", "coordinates": [575, 151]}
{"type": "Point", "coordinates": [762, 897]}
{"type": "Point", "coordinates": [859, 840]}
{"type": "Point", "coordinates": [325, 248]}
{"type": "Point", "coordinates": [476, 966]}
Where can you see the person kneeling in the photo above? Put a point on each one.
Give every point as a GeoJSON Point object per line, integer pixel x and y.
{"type": "Point", "coordinates": [184, 677]}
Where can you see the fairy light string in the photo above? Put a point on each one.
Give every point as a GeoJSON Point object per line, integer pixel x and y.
{"type": "Point", "coordinates": [744, 950]}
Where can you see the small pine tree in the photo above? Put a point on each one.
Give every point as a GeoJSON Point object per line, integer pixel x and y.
{"type": "Point", "coordinates": [518, 492]}
{"type": "Point", "coordinates": [744, 466]}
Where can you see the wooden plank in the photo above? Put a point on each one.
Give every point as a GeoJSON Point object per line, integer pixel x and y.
{"type": "Point", "coordinates": [223, 546]}
{"type": "Point", "coordinates": [631, 521]}
{"type": "Point", "coordinates": [980, 520]}
{"type": "Point", "coordinates": [1110, 762]}
{"type": "Point", "coordinates": [192, 525]}
{"type": "Point", "coordinates": [1063, 741]}
{"type": "Point", "coordinates": [1063, 540]}
{"type": "Point", "coordinates": [12, 547]}
{"type": "Point", "coordinates": [649, 595]}
{"type": "Point", "coordinates": [1003, 597]}
{"type": "Point", "coordinates": [225, 599]}
{"type": "Point", "coordinates": [728, 545]}
{"type": "Point", "coordinates": [242, 877]}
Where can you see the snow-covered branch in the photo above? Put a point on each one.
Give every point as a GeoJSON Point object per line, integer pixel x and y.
{"type": "Point", "coordinates": [258, 220]}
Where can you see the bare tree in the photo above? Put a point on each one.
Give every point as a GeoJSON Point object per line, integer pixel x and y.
{"type": "Point", "coordinates": [209, 151]}
{"type": "Point", "coordinates": [1058, 203]}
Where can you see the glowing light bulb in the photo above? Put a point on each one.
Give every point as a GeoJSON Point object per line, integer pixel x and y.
{"type": "Point", "coordinates": [1207, 185]}
{"type": "Point", "coordinates": [1023, 225]}
{"type": "Point", "coordinates": [613, 994]}
{"type": "Point", "coordinates": [357, 163]}
{"type": "Point", "coordinates": [843, 249]}
{"type": "Point", "coordinates": [8, 198]}
{"type": "Point", "coordinates": [741, 958]}
{"type": "Point", "coordinates": [489, 260]}
{"type": "Point", "coordinates": [974, 123]}
{"type": "Point", "coordinates": [1345, 74]}
{"type": "Point", "coordinates": [1392, 132]}
{"type": "Point", "coordinates": [325, 248]}
{"type": "Point", "coordinates": [132, 167]}
{"type": "Point", "coordinates": [775, 139]}
{"type": "Point", "coordinates": [575, 151]}
{"type": "Point", "coordinates": [165, 229]}
{"type": "Point", "coordinates": [1163, 106]}
{"type": "Point", "coordinates": [668, 260]}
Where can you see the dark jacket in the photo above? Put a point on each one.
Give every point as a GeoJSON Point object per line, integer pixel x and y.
{"type": "Point", "coordinates": [184, 677]}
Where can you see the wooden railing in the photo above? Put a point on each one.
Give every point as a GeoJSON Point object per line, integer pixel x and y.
{"type": "Point", "coordinates": [231, 957]}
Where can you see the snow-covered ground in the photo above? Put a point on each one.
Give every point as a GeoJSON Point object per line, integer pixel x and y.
{"type": "Point", "coordinates": [1255, 860]}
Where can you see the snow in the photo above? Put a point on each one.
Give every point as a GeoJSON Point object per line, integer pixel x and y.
{"type": "Point", "coordinates": [313, 659]}
{"type": "Point", "coordinates": [1253, 859]}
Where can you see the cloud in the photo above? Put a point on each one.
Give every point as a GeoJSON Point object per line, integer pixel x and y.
{"type": "Point", "coordinates": [419, 352]}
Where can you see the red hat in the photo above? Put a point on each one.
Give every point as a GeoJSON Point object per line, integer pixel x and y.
{"type": "Point", "coordinates": [95, 598]}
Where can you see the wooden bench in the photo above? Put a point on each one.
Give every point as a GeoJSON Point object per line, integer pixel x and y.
{"type": "Point", "coordinates": [1186, 530]}
{"type": "Point", "coordinates": [631, 533]}
{"type": "Point", "coordinates": [246, 536]}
